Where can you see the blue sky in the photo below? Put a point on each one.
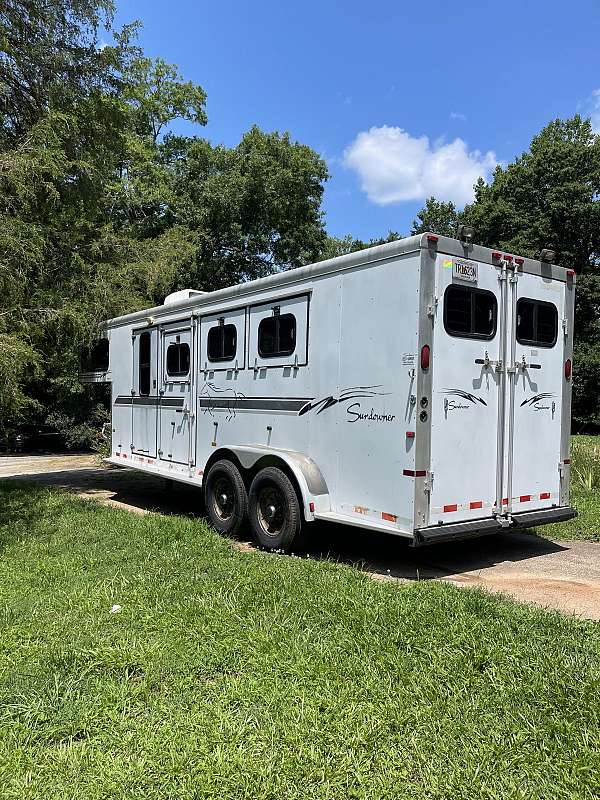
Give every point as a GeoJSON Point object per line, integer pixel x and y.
{"type": "Point", "coordinates": [402, 99]}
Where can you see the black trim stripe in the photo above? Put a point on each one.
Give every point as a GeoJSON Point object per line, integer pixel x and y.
{"type": "Point", "coordinates": [172, 402]}
{"type": "Point", "coordinates": [253, 403]}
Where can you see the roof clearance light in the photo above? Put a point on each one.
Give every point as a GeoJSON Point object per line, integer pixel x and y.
{"type": "Point", "coordinates": [425, 356]}
{"type": "Point", "coordinates": [568, 369]}
{"type": "Point", "coordinates": [519, 261]}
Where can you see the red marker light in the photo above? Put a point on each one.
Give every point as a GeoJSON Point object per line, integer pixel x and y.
{"type": "Point", "coordinates": [311, 507]}
{"type": "Point", "coordinates": [410, 434]}
{"type": "Point", "coordinates": [425, 356]}
{"type": "Point", "coordinates": [431, 237]}
{"type": "Point", "coordinates": [568, 369]}
{"type": "Point", "coordinates": [519, 261]}
{"type": "Point", "coordinates": [496, 255]}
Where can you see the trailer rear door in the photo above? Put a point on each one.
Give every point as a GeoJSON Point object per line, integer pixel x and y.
{"type": "Point", "coordinates": [467, 340]}
{"type": "Point", "coordinates": [537, 345]}
{"type": "Point", "coordinates": [497, 390]}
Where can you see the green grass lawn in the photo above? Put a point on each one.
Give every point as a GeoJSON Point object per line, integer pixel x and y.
{"type": "Point", "coordinates": [585, 493]}
{"type": "Point", "coordinates": [251, 675]}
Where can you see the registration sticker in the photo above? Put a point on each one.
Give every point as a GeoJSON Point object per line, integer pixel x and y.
{"type": "Point", "coordinates": [464, 270]}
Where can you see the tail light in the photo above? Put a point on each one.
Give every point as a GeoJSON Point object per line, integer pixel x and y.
{"type": "Point", "coordinates": [425, 356]}
{"type": "Point", "coordinates": [568, 369]}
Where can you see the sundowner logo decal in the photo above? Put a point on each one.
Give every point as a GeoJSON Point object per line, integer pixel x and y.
{"type": "Point", "coordinates": [472, 398]}
{"type": "Point", "coordinates": [530, 401]}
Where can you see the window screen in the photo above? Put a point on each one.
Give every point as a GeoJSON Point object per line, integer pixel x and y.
{"type": "Point", "coordinates": [145, 346]}
{"type": "Point", "coordinates": [221, 343]}
{"type": "Point", "coordinates": [277, 336]}
{"type": "Point", "coordinates": [178, 360]}
{"type": "Point", "coordinates": [537, 322]}
{"type": "Point", "coordinates": [470, 312]}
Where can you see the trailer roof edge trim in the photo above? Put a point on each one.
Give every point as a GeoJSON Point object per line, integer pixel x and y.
{"type": "Point", "coordinates": [384, 252]}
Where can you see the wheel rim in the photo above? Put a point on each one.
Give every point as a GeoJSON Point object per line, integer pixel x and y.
{"type": "Point", "coordinates": [223, 498]}
{"type": "Point", "coordinates": [271, 510]}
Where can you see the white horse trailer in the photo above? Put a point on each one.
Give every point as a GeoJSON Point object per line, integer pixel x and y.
{"type": "Point", "coordinates": [422, 388]}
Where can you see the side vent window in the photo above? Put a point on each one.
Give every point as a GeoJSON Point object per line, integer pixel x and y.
{"type": "Point", "coordinates": [469, 312]}
{"type": "Point", "coordinates": [278, 333]}
{"type": "Point", "coordinates": [96, 357]}
{"type": "Point", "coordinates": [537, 323]}
{"type": "Point", "coordinates": [178, 360]}
{"type": "Point", "coordinates": [145, 346]}
{"type": "Point", "coordinates": [277, 336]}
{"type": "Point", "coordinates": [221, 342]}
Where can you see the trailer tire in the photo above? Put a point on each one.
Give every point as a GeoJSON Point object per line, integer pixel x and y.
{"type": "Point", "coordinates": [274, 510]}
{"type": "Point", "coordinates": [225, 498]}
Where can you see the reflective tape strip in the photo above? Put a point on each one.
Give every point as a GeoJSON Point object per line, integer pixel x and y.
{"type": "Point", "coordinates": [411, 473]}
{"type": "Point", "coordinates": [372, 513]}
{"type": "Point", "coordinates": [473, 505]}
{"type": "Point", "coordinates": [451, 508]}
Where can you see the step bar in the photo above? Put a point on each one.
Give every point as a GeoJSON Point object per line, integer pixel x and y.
{"type": "Point", "coordinates": [483, 527]}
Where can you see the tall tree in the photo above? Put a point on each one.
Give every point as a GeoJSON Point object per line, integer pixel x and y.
{"type": "Point", "coordinates": [102, 211]}
{"type": "Point", "coordinates": [251, 210]}
{"type": "Point", "coordinates": [437, 217]}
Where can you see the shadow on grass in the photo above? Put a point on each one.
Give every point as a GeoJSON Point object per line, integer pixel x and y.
{"type": "Point", "coordinates": [378, 553]}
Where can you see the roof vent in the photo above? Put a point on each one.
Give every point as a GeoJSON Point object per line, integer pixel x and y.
{"type": "Point", "coordinates": [181, 296]}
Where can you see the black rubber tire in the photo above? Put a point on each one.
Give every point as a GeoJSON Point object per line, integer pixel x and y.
{"type": "Point", "coordinates": [286, 530]}
{"type": "Point", "coordinates": [225, 517]}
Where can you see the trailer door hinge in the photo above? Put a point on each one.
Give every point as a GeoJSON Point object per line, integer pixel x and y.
{"type": "Point", "coordinates": [565, 326]}
{"type": "Point", "coordinates": [432, 307]}
{"type": "Point", "coordinates": [428, 482]}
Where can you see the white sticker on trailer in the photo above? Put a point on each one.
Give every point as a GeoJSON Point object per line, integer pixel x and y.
{"type": "Point", "coordinates": [464, 270]}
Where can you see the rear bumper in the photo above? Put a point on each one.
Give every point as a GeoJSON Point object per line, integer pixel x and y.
{"type": "Point", "coordinates": [481, 527]}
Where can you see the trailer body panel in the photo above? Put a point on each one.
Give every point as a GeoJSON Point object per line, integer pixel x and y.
{"type": "Point", "coordinates": [412, 387]}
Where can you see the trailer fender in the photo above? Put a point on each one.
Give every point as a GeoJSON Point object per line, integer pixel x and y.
{"type": "Point", "coordinates": [309, 478]}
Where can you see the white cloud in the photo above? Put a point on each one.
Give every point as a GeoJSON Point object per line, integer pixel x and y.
{"type": "Point", "coordinates": [394, 166]}
{"type": "Point", "coordinates": [593, 110]}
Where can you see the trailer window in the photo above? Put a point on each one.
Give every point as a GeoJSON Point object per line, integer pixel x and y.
{"type": "Point", "coordinates": [222, 343]}
{"type": "Point", "coordinates": [178, 360]}
{"type": "Point", "coordinates": [537, 322]}
{"type": "Point", "coordinates": [277, 336]}
{"type": "Point", "coordinates": [470, 312]}
{"type": "Point", "coordinates": [144, 364]}
{"type": "Point", "coordinates": [95, 358]}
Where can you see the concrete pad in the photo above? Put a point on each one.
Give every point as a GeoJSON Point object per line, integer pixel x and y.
{"type": "Point", "coordinates": [563, 575]}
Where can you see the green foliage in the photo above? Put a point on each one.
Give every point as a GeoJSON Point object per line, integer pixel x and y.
{"type": "Point", "coordinates": [437, 217]}
{"type": "Point", "coordinates": [102, 213]}
{"type": "Point", "coordinates": [340, 246]}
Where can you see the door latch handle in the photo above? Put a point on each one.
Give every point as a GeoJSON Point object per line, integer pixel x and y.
{"type": "Point", "coordinates": [523, 365]}
{"type": "Point", "coordinates": [487, 362]}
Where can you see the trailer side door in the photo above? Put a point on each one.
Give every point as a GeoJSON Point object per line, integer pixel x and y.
{"type": "Point", "coordinates": [144, 392]}
{"type": "Point", "coordinates": [177, 433]}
